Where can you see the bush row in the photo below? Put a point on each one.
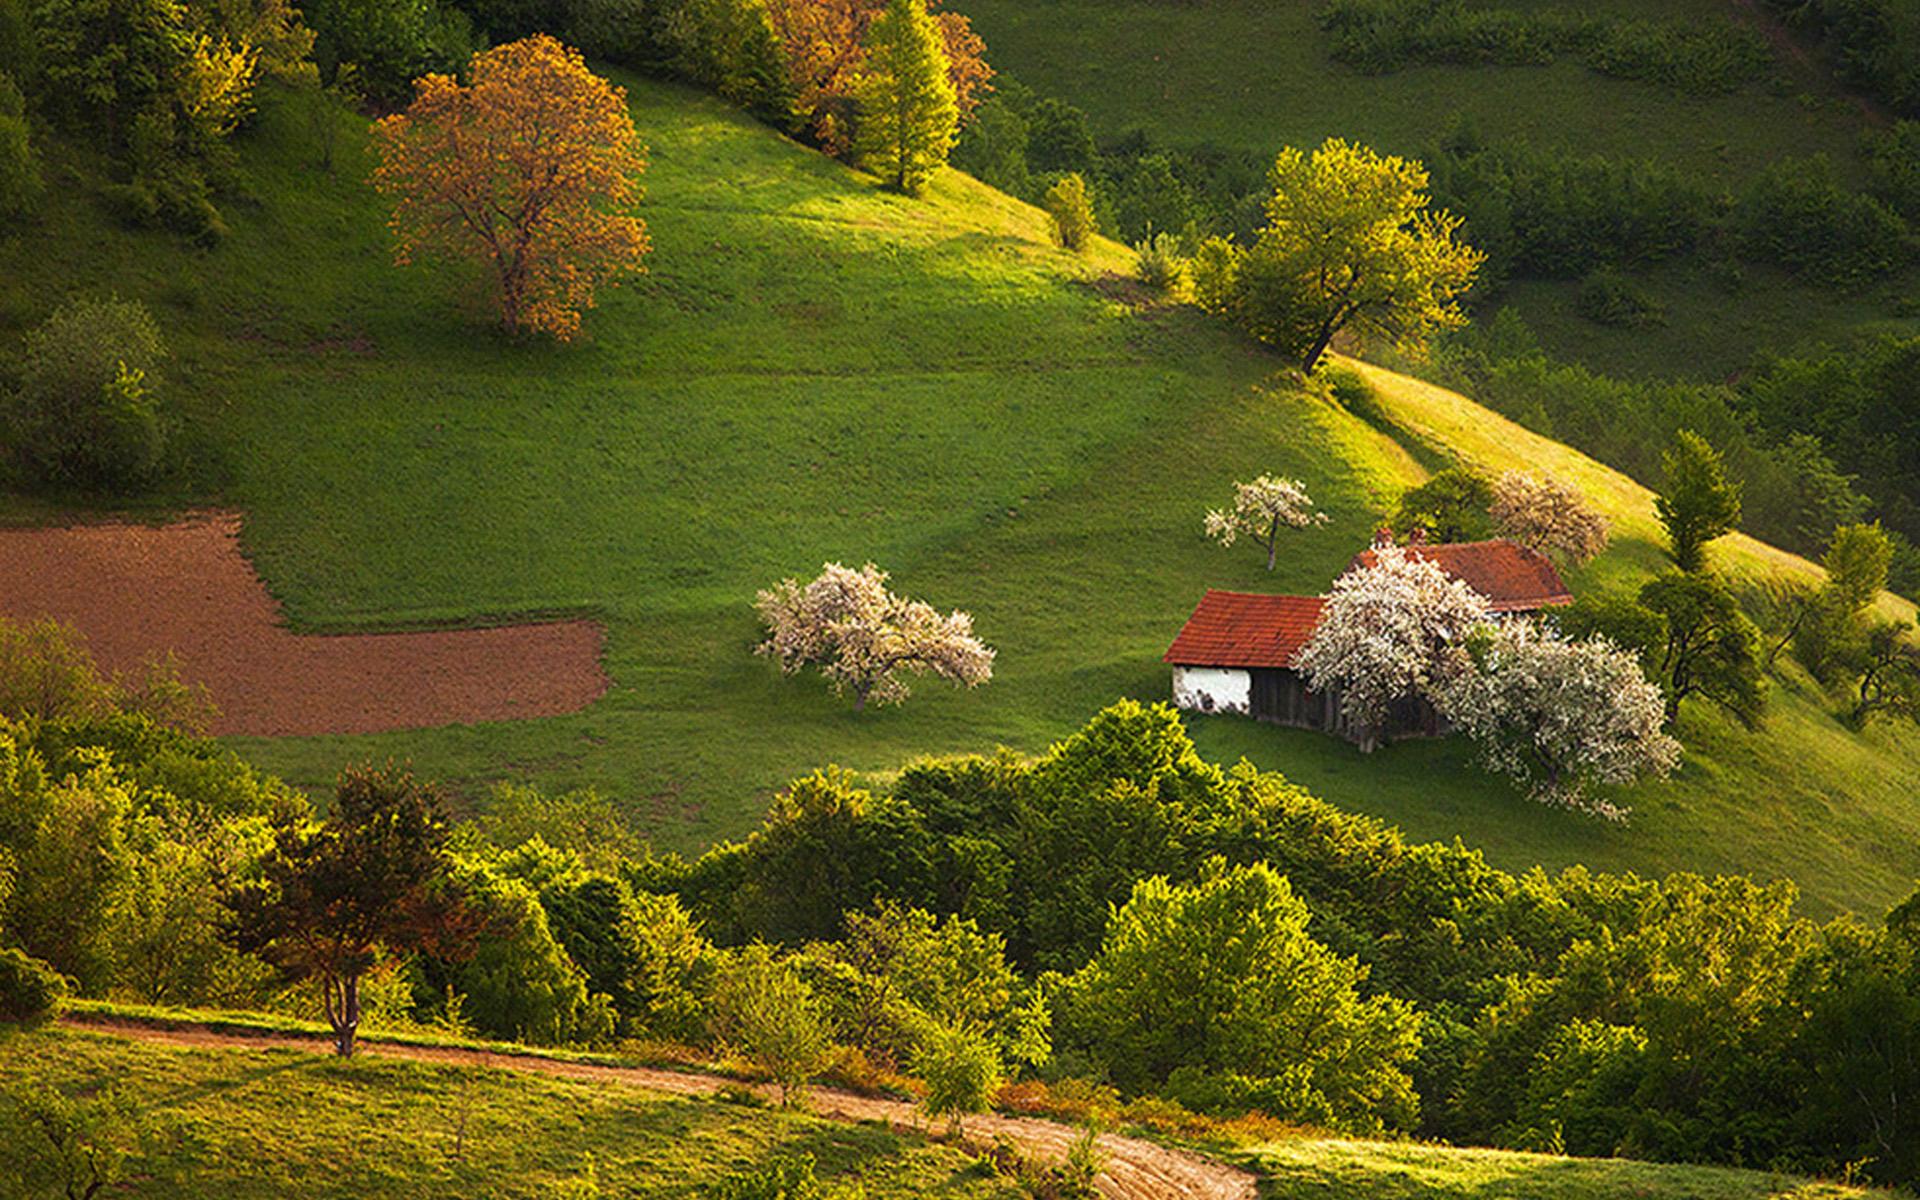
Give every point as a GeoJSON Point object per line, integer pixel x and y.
{"type": "Point", "coordinates": [1697, 58]}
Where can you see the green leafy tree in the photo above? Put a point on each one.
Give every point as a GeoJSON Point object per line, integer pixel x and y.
{"type": "Point", "coordinates": [766, 1011]}
{"type": "Point", "coordinates": [1221, 976]}
{"type": "Point", "coordinates": [909, 114]}
{"type": "Point", "coordinates": [1701, 501]}
{"type": "Point", "coordinates": [1451, 506]}
{"type": "Point", "coordinates": [1349, 243]}
{"type": "Point", "coordinates": [1068, 204]}
{"type": "Point", "coordinates": [962, 1071]}
{"type": "Point", "coordinates": [372, 883]}
{"type": "Point", "coordinates": [1885, 663]}
{"type": "Point", "coordinates": [516, 980]}
{"type": "Point", "coordinates": [87, 412]}
{"type": "Point", "coordinates": [79, 1145]}
{"type": "Point", "coordinates": [20, 184]}
{"type": "Point", "coordinates": [1711, 649]}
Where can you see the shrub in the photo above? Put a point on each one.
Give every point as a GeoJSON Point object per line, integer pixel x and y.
{"type": "Point", "coordinates": [1072, 212]}
{"type": "Point", "coordinates": [1893, 167]}
{"type": "Point", "coordinates": [86, 413]}
{"type": "Point", "coordinates": [1216, 274]}
{"type": "Point", "coordinates": [30, 990]}
{"type": "Point", "coordinates": [20, 183]}
{"type": "Point", "coordinates": [1157, 263]}
{"type": "Point", "coordinates": [1607, 297]}
{"type": "Point", "coordinates": [1797, 215]}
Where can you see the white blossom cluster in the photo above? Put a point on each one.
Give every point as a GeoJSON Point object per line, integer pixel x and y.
{"type": "Point", "coordinates": [1558, 715]}
{"type": "Point", "coordinates": [1386, 633]}
{"type": "Point", "coordinates": [1261, 508]}
{"type": "Point", "coordinates": [1548, 516]}
{"type": "Point", "coordinates": [863, 637]}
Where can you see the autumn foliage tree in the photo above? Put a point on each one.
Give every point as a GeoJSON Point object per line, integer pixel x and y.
{"type": "Point", "coordinates": [864, 638]}
{"type": "Point", "coordinates": [372, 883]}
{"type": "Point", "coordinates": [531, 170]}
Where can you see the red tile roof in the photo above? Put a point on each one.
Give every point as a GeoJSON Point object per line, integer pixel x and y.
{"type": "Point", "coordinates": [1239, 629]}
{"type": "Point", "coordinates": [1512, 577]}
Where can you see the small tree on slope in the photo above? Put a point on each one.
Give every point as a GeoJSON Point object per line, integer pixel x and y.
{"type": "Point", "coordinates": [1385, 634]}
{"type": "Point", "coordinates": [909, 115]}
{"type": "Point", "coordinates": [1261, 508]}
{"type": "Point", "coordinates": [863, 637]}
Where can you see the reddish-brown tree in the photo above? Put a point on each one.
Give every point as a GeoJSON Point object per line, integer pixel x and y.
{"type": "Point", "coordinates": [333, 901]}
{"type": "Point", "coordinates": [532, 170]}
{"type": "Point", "coordinates": [825, 42]}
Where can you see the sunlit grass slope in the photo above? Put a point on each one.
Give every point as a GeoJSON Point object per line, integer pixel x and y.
{"type": "Point", "coordinates": [818, 370]}
{"type": "Point", "coordinates": [295, 1125]}
{"type": "Point", "coordinates": [1324, 1169]}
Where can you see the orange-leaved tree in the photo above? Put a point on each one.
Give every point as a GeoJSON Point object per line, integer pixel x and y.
{"type": "Point", "coordinates": [826, 47]}
{"type": "Point", "coordinates": [531, 170]}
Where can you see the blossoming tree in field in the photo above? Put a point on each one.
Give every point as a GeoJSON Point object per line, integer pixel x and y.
{"type": "Point", "coordinates": [1548, 516]}
{"type": "Point", "coordinates": [1261, 509]}
{"type": "Point", "coordinates": [1558, 715]}
{"type": "Point", "coordinates": [864, 638]}
{"type": "Point", "coordinates": [531, 170]}
{"type": "Point", "coordinates": [1386, 633]}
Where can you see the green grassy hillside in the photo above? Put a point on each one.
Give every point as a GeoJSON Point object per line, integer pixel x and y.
{"type": "Point", "coordinates": [1254, 75]}
{"type": "Point", "coordinates": [278, 1123]}
{"type": "Point", "coordinates": [1313, 1170]}
{"type": "Point", "coordinates": [815, 369]}
{"type": "Point", "coordinates": [296, 1125]}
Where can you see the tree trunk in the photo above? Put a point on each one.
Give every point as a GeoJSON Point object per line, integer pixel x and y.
{"type": "Point", "coordinates": [860, 696]}
{"type": "Point", "coordinates": [346, 1018]}
{"type": "Point", "coordinates": [1273, 542]}
{"type": "Point", "coordinates": [1319, 349]}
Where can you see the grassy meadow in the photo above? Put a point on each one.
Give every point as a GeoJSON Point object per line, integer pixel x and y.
{"type": "Point", "coordinates": [1254, 75]}
{"type": "Point", "coordinates": [1312, 1169]}
{"type": "Point", "coordinates": [815, 370]}
{"type": "Point", "coordinates": [282, 1123]}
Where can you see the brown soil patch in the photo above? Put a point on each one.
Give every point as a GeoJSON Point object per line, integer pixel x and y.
{"type": "Point", "coordinates": [1135, 1169]}
{"type": "Point", "coordinates": [137, 590]}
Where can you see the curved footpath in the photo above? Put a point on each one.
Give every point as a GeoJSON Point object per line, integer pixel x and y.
{"type": "Point", "coordinates": [1135, 1169]}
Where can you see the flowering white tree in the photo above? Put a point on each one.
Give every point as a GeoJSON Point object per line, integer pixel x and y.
{"type": "Point", "coordinates": [1385, 634]}
{"type": "Point", "coordinates": [1548, 516]}
{"type": "Point", "coordinates": [863, 637]}
{"type": "Point", "coordinates": [1559, 715]}
{"type": "Point", "coordinates": [1261, 509]}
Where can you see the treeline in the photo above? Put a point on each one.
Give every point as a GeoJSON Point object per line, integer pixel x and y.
{"type": "Point", "coordinates": [1875, 44]}
{"type": "Point", "coordinates": [1817, 442]}
{"type": "Point", "coordinates": [1699, 58]}
{"type": "Point", "coordinates": [1024, 143]}
{"type": "Point", "coordinates": [1552, 214]}
{"type": "Point", "coordinates": [1118, 912]}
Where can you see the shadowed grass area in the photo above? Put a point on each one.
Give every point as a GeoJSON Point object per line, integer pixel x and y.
{"type": "Point", "coordinates": [814, 370]}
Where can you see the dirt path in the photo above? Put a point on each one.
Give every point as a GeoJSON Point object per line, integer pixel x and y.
{"type": "Point", "coordinates": [1787, 44]}
{"type": "Point", "coordinates": [1135, 1170]}
{"type": "Point", "coordinates": [139, 590]}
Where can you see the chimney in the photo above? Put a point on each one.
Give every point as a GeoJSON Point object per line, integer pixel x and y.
{"type": "Point", "coordinates": [1383, 537]}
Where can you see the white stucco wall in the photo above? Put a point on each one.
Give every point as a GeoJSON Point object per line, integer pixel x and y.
{"type": "Point", "coordinates": [1211, 689]}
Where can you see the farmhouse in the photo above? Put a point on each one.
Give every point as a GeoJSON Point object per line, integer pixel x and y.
{"type": "Point", "coordinates": [1236, 652]}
